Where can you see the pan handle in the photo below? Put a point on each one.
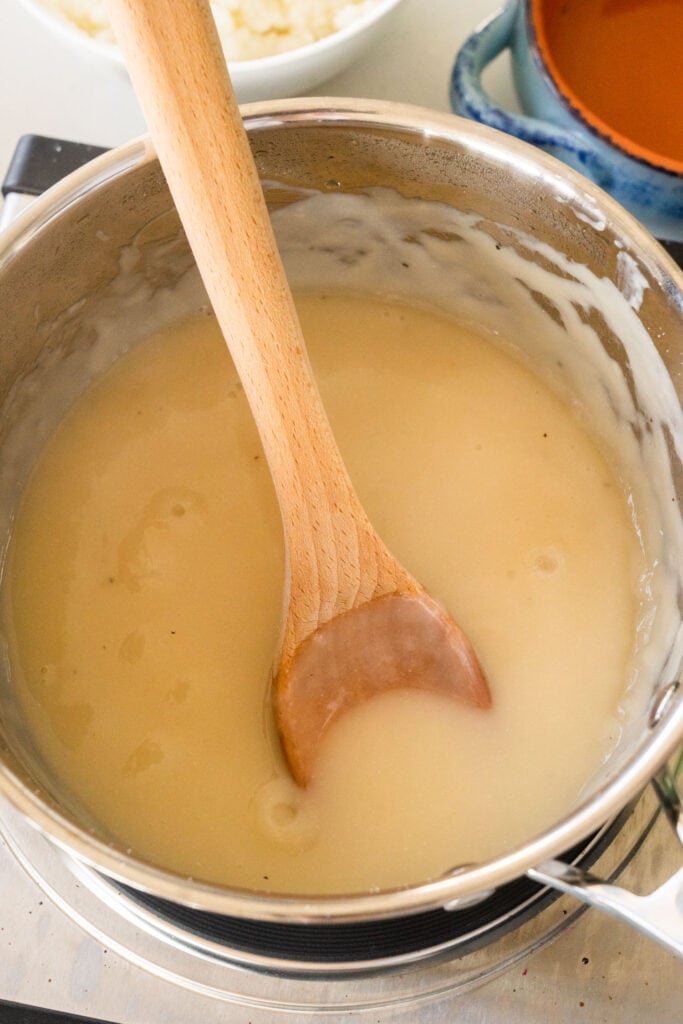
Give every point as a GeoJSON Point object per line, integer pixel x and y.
{"type": "Point", "coordinates": [658, 915]}
{"type": "Point", "coordinates": [37, 163]}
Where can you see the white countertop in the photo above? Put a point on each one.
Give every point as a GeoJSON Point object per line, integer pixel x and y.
{"type": "Point", "coordinates": [52, 89]}
{"type": "Point", "coordinates": [599, 971]}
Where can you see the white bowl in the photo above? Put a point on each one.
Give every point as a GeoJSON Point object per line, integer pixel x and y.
{"type": "Point", "coordinates": [283, 74]}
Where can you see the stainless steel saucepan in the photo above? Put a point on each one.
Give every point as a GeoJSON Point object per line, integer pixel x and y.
{"type": "Point", "coordinates": [66, 259]}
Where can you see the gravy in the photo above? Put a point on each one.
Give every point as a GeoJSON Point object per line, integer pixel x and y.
{"type": "Point", "coordinates": [142, 596]}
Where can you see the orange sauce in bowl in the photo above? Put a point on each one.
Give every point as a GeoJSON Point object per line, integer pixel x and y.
{"type": "Point", "coordinates": [620, 63]}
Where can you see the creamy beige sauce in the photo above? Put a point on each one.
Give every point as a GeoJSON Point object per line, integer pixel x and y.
{"type": "Point", "coordinates": [143, 587]}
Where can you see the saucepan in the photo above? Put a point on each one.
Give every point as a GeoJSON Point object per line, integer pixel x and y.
{"type": "Point", "coordinates": [68, 256]}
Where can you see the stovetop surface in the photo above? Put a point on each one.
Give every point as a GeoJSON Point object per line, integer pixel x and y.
{"type": "Point", "coordinates": [598, 970]}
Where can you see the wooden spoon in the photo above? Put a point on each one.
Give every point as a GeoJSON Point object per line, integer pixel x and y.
{"type": "Point", "coordinates": [356, 623]}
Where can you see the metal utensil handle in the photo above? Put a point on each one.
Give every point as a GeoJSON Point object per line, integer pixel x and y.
{"type": "Point", "coordinates": [658, 915]}
{"type": "Point", "coordinates": [38, 163]}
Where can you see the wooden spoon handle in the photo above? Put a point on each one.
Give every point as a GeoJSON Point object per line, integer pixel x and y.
{"type": "Point", "coordinates": [177, 66]}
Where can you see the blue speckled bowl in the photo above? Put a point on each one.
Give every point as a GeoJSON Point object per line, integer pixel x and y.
{"type": "Point", "coordinates": [649, 190]}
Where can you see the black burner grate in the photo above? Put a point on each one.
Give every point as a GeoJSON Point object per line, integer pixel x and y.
{"type": "Point", "coordinates": [459, 932]}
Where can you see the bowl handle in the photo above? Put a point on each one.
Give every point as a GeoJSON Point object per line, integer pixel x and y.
{"type": "Point", "coordinates": [658, 915]}
{"type": "Point", "coordinates": [469, 99]}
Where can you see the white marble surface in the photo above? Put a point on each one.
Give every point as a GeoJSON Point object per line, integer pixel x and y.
{"type": "Point", "coordinates": [599, 971]}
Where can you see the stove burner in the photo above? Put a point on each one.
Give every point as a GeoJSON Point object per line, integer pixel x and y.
{"type": "Point", "coordinates": [408, 962]}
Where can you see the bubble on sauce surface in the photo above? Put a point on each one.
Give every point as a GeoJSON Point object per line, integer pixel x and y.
{"type": "Point", "coordinates": [147, 549]}
{"type": "Point", "coordinates": [548, 562]}
{"type": "Point", "coordinates": [132, 646]}
{"type": "Point", "coordinates": [285, 815]}
{"type": "Point", "coordinates": [178, 693]}
{"type": "Point", "coordinates": [70, 720]}
{"type": "Point", "coordinates": [143, 757]}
